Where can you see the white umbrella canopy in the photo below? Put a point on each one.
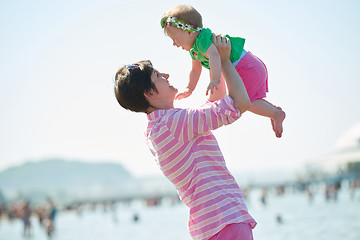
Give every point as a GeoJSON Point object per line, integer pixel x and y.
{"type": "Point", "coordinates": [340, 157]}
{"type": "Point", "coordinates": [347, 151]}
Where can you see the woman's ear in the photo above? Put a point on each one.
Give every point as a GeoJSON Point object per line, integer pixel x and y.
{"type": "Point", "coordinates": [149, 93]}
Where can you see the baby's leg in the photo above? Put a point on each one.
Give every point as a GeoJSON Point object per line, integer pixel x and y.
{"type": "Point", "coordinates": [276, 114]}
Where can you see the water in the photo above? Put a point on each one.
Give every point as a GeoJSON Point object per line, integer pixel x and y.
{"type": "Point", "coordinates": [301, 220]}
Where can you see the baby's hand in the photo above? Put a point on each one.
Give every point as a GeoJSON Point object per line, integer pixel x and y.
{"type": "Point", "coordinates": [184, 94]}
{"type": "Point", "coordinates": [213, 84]}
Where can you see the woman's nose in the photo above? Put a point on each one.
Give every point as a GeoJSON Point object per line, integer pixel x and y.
{"type": "Point", "coordinates": [165, 75]}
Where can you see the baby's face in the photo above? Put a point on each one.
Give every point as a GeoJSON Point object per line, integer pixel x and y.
{"type": "Point", "coordinates": [181, 38]}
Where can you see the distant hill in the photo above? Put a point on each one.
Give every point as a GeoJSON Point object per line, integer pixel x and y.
{"type": "Point", "coordinates": [70, 177]}
{"type": "Point", "coordinates": [67, 181]}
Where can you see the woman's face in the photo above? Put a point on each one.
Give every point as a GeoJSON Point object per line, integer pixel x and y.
{"type": "Point", "coordinates": [166, 92]}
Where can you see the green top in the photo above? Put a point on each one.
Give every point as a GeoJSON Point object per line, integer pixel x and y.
{"type": "Point", "coordinates": [203, 42]}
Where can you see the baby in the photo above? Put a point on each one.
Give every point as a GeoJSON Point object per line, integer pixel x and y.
{"type": "Point", "coordinates": [183, 24]}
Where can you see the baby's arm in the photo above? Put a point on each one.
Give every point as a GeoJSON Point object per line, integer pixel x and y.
{"type": "Point", "coordinates": [215, 67]}
{"type": "Point", "coordinates": [193, 80]}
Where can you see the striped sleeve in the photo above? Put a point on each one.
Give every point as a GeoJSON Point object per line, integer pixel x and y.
{"type": "Point", "coordinates": [189, 123]}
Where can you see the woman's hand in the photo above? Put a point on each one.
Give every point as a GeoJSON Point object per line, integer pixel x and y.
{"type": "Point", "coordinates": [223, 46]}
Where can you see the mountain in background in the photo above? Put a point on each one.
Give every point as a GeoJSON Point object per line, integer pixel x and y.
{"type": "Point", "coordinates": [67, 181]}
{"type": "Point", "coordinates": [75, 178]}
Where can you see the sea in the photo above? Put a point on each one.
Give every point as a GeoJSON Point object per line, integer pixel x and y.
{"type": "Point", "coordinates": [291, 215]}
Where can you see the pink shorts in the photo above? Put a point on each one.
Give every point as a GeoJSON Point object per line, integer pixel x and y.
{"type": "Point", "coordinates": [235, 231]}
{"type": "Point", "coordinates": [254, 74]}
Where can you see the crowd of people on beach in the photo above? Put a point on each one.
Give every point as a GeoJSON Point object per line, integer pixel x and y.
{"type": "Point", "coordinates": [23, 210]}
{"type": "Point", "coordinates": [46, 212]}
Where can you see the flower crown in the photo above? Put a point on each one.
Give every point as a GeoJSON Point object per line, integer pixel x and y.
{"type": "Point", "coordinates": [172, 21]}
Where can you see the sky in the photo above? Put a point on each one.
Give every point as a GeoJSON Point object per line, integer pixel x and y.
{"type": "Point", "coordinates": [58, 60]}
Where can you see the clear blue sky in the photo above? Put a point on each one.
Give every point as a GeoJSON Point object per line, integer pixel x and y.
{"type": "Point", "coordinates": [58, 60]}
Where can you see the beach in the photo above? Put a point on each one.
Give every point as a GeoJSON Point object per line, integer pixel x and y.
{"type": "Point", "coordinates": [290, 215]}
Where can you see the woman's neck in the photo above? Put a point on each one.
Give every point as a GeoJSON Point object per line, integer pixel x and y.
{"type": "Point", "coordinates": [155, 107]}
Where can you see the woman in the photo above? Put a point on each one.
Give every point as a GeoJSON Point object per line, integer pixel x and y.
{"type": "Point", "coordinates": [186, 150]}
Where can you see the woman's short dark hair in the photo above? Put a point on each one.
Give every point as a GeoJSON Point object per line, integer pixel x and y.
{"type": "Point", "coordinates": [131, 82]}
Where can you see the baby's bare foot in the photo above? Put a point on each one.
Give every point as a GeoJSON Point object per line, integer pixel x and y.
{"type": "Point", "coordinates": [277, 121]}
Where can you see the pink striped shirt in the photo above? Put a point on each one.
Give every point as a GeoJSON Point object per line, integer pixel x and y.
{"type": "Point", "coordinates": [189, 156]}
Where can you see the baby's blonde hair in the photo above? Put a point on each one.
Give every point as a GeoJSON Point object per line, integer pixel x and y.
{"type": "Point", "coordinates": [186, 13]}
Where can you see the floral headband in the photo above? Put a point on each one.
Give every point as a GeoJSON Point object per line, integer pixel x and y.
{"type": "Point", "coordinates": [172, 21]}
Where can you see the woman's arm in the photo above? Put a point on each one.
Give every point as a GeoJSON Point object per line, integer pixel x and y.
{"type": "Point", "coordinates": [236, 87]}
